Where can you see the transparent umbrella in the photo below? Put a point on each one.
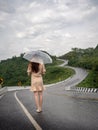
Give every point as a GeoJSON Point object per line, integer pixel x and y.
{"type": "Point", "coordinates": [38, 57]}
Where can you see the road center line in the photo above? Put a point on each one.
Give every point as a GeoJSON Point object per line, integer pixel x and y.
{"type": "Point", "coordinates": [32, 120]}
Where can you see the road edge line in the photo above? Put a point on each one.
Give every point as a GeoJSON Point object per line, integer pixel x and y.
{"type": "Point", "coordinates": [32, 120]}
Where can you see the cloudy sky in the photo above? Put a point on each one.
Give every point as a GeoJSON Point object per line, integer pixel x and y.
{"type": "Point", "coordinates": [55, 26]}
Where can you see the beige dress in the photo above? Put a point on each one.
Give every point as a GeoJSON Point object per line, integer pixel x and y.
{"type": "Point", "coordinates": [36, 78]}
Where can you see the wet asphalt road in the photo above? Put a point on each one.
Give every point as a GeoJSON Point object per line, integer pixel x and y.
{"type": "Point", "coordinates": [59, 112]}
{"type": "Point", "coordinates": [12, 116]}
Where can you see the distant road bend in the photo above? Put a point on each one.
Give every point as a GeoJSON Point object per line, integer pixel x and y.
{"type": "Point", "coordinates": [69, 83]}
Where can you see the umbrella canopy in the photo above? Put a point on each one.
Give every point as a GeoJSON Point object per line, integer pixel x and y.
{"type": "Point", "coordinates": [38, 57]}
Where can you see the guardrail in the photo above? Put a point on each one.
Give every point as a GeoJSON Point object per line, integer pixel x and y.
{"type": "Point", "coordinates": [14, 88]}
{"type": "Point", "coordinates": [81, 89]}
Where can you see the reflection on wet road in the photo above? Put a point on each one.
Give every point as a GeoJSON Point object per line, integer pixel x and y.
{"type": "Point", "coordinates": [62, 112]}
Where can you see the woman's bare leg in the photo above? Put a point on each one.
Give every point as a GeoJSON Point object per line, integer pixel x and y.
{"type": "Point", "coordinates": [36, 96]}
{"type": "Point", "coordinates": [40, 99]}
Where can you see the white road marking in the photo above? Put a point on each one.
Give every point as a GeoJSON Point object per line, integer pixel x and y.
{"type": "Point", "coordinates": [35, 124]}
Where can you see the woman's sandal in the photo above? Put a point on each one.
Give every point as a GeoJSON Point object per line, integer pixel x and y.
{"type": "Point", "coordinates": [38, 110]}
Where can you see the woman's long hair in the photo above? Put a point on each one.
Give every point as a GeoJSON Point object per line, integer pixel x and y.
{"type": "Point", "coordinates": [35, 67]}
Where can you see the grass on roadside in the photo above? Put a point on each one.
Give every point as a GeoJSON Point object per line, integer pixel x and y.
{"type": "Point", "coordinates": [91, 81]}
{"type": "Point", "coordinates": [56, 74]}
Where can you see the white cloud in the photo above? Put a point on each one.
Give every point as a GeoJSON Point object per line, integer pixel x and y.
{"type": "Point", "coordinates": [52, 25]}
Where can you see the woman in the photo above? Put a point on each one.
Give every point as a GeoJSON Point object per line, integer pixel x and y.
{"type": "Point", "coordinates": [36, 70]}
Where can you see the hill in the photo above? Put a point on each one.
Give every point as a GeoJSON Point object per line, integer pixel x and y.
{"type": "Point", "coordinates": [85, 58]}
{"type": "Point", "coordinates": [13, 72]}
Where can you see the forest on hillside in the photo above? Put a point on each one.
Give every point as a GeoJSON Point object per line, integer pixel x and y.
{"type": "Point", "coordinates": [13, 72]}
{"type": "Point", "coordinates": [87, 59]}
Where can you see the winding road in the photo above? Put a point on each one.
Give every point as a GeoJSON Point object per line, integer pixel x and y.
{"type": "Point", "coordinates": [60, 111]}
